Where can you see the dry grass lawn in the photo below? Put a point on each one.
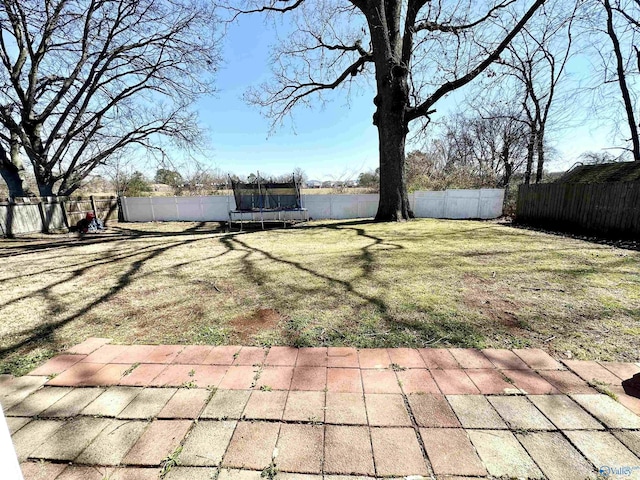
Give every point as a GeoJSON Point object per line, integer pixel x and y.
{"type": "Point", "coordinates": [425, 282]}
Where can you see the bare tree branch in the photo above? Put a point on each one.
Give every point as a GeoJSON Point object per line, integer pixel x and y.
{"type": "Point", "coordinates": [89, 78]}
{"type": "Point", "coordinates": [426, 106]}
{"type": "Point", "coordinates": [432, 26]}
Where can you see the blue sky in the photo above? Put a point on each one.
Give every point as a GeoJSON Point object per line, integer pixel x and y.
{"type": "Point", "coordinates": [336, 141]}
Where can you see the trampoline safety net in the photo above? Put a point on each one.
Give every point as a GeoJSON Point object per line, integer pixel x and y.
{"type": "Point", "coordinates": [253, 197]}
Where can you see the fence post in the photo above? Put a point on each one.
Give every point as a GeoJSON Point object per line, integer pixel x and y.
{"type": "Point", "coordinates": [125, 209]}
{"type": "Point", "coordinates": [445, 213]}
{"type": "Point", "coordinates": [153, 213]}
{"type": "Point", "coordinates": [9, 220]}
{"type": "Point", "coordinates": [121, 214]}
{"type": "Point", "coordinates": [331, 206]}
{"type": "Point", "coordinates": [43, 217]}
{"type": "Point", "coordinates": [65, 218]}
{"type": "Point", "coordinates": [93, 206]}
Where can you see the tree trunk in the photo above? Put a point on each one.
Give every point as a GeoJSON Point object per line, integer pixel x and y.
{"type": "Point", "coordinates": [394, 200]}
{"type": "Point", "coordinates": [530, 153]}
{"type": "Point", "coordinates": [45, 181]}
{"type": "Point", "coordinates": [12, 178]}
{"type": "Point", "coordinates": [508, 169]}
{"type": "Point", "coordinates": [622, 82]}
{"type": "Point", "coordinates": [540, 151]}
{"type": "Point", "coordinates": [12, 172]}
{"type": "Point", "coordinates": [392, 100]}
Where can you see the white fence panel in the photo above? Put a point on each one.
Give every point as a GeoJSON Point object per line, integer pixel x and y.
{"type": "Point", "coordinates": [340, 206]}
{"type": "Point", "coordinates": [367, 205]}
{"type": "Point", "coordinates": [456, 204]}
{"type": "Point", "coordinates": [344, 206]}
{"type": "Point", "coordinates": [428, 204]}
{"type": "Point", "coordinates": [316, 206]}
{"type": "Point", "coordinates": [462, 204]}
{"type": "Point", "coordinates": [491, 202]}
{"type": "Point", "coordinates": [166, 208]}
{"type": "Point", "coordinates": [216, 207]}
{"type": "Point", "coordinates": [190, 208]}
{"type": "Point", "coordinates": [137, 209]}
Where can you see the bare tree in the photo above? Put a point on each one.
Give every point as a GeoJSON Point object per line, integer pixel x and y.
{"type": "Point", "coordinates": [418, 52]}
{"type": "Point", "coordinates": [623, 28]}
{"type": "Point", "coordinates": [536, 63]}
{"type": "Point", "coordinates": [598, 158]}
{"type": "Point", "coordinates": [85, 80]}
{"type": "Point", "coordinates": [118, 171]}
{"type": "Point", "coordinates": [300, 175]}
{"type": "Point", "coordinates": [612, 39]}
{"type": "Point", "coordinates": [490, 147]}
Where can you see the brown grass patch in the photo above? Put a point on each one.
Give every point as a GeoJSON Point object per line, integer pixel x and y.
{"type": "Point", "coordinates": [480, 295]}
{"type": "Point", "coordinates": [247, 326]}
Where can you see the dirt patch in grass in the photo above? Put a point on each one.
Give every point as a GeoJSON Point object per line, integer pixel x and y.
{"type": "Point", "coordinates": [246, 327]}
{"type": "Point", "coordinates": [479, 296]}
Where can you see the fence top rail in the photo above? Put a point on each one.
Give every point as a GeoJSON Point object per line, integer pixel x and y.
{"type": "Point", "coordinates": [578, 184]}
{"type": "Point", "coordinates": [36, 200]}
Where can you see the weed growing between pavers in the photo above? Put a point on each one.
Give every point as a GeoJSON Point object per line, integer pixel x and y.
{"type": "Point", "coordinates": [602, 387]}
{"type": "Point", "coordinates": [170, 461]}
{"type": "Point", "coordinates": [130, 370]}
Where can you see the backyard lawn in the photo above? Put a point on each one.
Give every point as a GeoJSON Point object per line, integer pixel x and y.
{"type": "Point", "coordinates": [422, 283]}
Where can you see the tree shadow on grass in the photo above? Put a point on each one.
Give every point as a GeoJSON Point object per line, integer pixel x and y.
{"type": "Point", "coordinates": [116, 233]}
{"type": "Point", "coordinates": [399, 332]}
{"type": "Point", "coordinates": [43, 334]}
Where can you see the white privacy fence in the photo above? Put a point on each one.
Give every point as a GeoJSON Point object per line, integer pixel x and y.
{"type": "Point", "coordinates": [459, 204]}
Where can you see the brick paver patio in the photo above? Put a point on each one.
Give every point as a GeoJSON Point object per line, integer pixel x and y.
{"type": "Point", "coordinates": [199, 412]}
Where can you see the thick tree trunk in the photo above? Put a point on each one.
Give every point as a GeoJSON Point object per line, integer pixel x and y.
{"type": "Point", "coordinates": [508, 169]}
{"type": "Point", "coordinates": [540, 151]}
{"type": "Point", "coordinates": [12, 178]}
{"type": "Point", "coordinates": [37, 154]}
{"type": "Point", "coordinates": [45, 181]}
{"type": "Point", "coordinates": [12, 172]}
{"type": "Point", "coordinates": [394, 200]}
{"type": "Point", "coordinates": [46, 189]}
{"type": "Point", "coordinates": [392, 99]}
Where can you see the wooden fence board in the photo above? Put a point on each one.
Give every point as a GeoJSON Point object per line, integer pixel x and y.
{"type": "Point", "coordinates": [53, 214]}
{"type": "Point", "coordinates": [609, 209]}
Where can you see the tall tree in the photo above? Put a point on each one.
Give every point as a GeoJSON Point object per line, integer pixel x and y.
{"type": "Point", "coordinates": [418, 51]}
{"type": "Point", "coordinates": [536, 62]}
{"type": "Point", "coordinates": [86, 80]}
{"type": "Point", "coordinates": [12, 169]}
{"type": "Point", "coordinates": [623, 30]}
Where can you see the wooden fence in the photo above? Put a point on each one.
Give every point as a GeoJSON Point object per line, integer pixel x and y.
{"type": "Point", "coordinates": [606, 209]}
{"type": "Point", "coordinates": [23, 215]}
